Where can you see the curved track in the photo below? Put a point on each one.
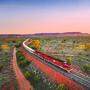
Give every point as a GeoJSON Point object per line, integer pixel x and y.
{"type": "Point", "coordinates": [72, 75]}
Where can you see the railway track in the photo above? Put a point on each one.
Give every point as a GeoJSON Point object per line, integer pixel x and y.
{"type": "Point", "coordinates": [76, 78]}
{"type": "Point", "coordinates": [71, 75]}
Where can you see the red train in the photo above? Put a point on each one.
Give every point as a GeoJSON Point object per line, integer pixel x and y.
{"type": "Point", "coordinates": [61, 64]}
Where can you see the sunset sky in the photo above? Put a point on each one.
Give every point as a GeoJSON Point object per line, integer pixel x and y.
{"type": "Point", "coordinates": [40, 16]}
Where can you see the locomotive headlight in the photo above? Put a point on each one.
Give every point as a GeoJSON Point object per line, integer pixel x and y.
{"type": "Point", "coordinates": [53, 60]}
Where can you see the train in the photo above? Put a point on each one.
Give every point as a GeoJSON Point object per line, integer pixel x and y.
{"type": "Point", "coordinates": [60, 64]}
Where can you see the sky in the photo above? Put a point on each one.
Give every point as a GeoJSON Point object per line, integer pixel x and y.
{"type": "Point", "coordinates": [44, 16]}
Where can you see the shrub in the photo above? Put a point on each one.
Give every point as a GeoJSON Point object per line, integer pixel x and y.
{"type": "Point", "coordinates": [1, 66]}
{"type": "Point", "coordinates": [61, 87]}
{"type": "Point", "coordinates": [27, 74]}
{"type": "Point", "coordinates": [86, 68]}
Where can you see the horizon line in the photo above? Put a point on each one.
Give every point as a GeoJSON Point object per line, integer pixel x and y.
{"type": "Point", "coordinates": [43, 33]}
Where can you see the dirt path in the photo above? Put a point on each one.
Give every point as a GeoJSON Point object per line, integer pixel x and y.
{"type": "Point", "coordinates": [22, 82]}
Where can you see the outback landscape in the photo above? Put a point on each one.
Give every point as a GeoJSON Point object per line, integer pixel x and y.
{"type": "Point", "coordinates": [66, 57]}
{"type": "Point", "coordinates": [44, 44]}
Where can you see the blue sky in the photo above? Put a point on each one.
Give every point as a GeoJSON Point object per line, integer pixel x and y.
{"type": "Point", "coordinates": [46, 2]}
{"type": "Point", "coordinates": [44, 16]}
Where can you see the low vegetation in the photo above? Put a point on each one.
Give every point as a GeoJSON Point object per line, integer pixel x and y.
{"type": "Point", "coordinates": [7, 76]}
{"type": "Point", "coordinates": [37, 78]}
{"type": "Point", "coordinates": [76, 48]}
{"type": "Point", "coordinates": [86, 68]}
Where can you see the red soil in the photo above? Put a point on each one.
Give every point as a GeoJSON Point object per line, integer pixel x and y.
{"type": "Point", "coordinates": [22, 82]}
{"type": "Point", "coordinates": [54, 75]}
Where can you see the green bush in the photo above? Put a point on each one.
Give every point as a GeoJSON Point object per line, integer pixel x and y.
{"type": "Point", "coordinates": [61, 87]}
{"type": "Point", "coordinates": [27, 74]}
{"type": "Point", "coordinates": [1, 66]}
{"type": "Point", "coordinates": [1, 81]}
{"type": "Point", "coordinates": [22, 62]}
{"type": "Point", "coordinates": [86, 68]}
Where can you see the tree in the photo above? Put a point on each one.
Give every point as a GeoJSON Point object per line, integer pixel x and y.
{"type": "Point", "coordinates": [69, 59]}
{"type": "Point", "coordinates": [36, 44]}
